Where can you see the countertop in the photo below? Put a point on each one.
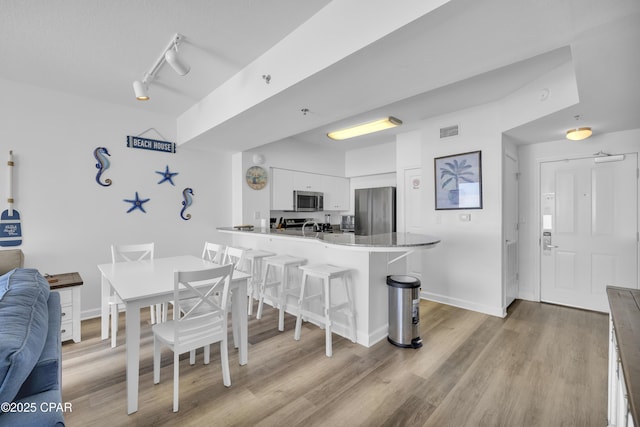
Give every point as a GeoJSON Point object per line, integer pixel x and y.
{"type": "Point", "coordinates": [385, 240]}
{"type": "Point", "coordinates": [625, 313]}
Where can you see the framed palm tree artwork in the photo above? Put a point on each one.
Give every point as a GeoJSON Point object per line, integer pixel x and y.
{"type": "Point", "coordinates": [458, 181]}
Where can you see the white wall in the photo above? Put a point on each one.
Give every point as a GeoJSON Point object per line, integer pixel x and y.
{"type": "Point", "coordinates": [465, 268]}
{"type": "Point", "coordinates": [378, 159]}
{"type": "Point", "coordinates": [68, 220]}
{"type": "Point", "coordinates": [530, 157]}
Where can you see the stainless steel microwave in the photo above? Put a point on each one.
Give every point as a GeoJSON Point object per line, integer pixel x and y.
{"type": "Point", "coordinates": [307, 201]}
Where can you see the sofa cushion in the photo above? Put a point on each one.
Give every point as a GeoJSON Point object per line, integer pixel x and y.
{"type": "Point", "coordinates": [46, 374]}
{"type": "Point", "coordinates": [24, 319]}
{"type": "Point", "coordinates": [10, 259]}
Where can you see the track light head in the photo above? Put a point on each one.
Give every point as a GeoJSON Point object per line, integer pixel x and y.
{"type": "Point", "coordinates": [171, 56]}
{"type": "Point", "coordinates": [140, 91]}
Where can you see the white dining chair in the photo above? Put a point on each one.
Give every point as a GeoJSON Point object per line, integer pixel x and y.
{"type": "Point", "coordinates": [213, 252]}
{"type": "Point", "coordinates": [235, 256]}
{"type": "Point", "coordinates": [127, 253]}
{"type": "Point", "coordinates": [203, 324]}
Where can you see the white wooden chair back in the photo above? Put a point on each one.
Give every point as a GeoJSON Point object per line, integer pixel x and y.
{"type": "Point", "coordinates": [234, 256]}
{"type": "Point", "coordinates": [138, 252]}
{"type": "Point", "coordinates": [203, 318]}
{"type": "Point", "coordinates": [213, 252]}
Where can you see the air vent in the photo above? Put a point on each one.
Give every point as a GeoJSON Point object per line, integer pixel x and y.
{"type": "Point", "coordinates": [449, 131]}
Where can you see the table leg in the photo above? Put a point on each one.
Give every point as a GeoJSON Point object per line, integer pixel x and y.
{"type": "Point", "coordinates": [239, 319]}
{"type": "Point", "coordinates": [104, 314]}
{"type": "Point", "coordinates": [133, 355]}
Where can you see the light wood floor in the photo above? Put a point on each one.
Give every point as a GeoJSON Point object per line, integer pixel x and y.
{"type": "Point", "coordinates": [543, 365]}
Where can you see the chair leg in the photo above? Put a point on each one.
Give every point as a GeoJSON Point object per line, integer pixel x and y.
{"type": "Point", "coordinates": [262, 291]}
{"type": "Point", "coordinates": [352, 311]}
{"type": "Point", "coordinates": [192, 357]}
{"type": "Point", "coordinates": [114, 325]}
{"type": "Point", "coordinates": [327, 317]}
{"type": "Point", "coordinates": [282, 298]}
{"type": "Point", "coordinates": [165, 311]}
{"type": "Point", "coordinates": [156, 360]}
{"type": "Point", "coordinates": [224, 360]}
{"type": "Point", "coordinates": [296, 334]}
{"type": "Point", "coordinates": [152, 310]}
{"type": "Point", "coordinates": [207, 354]}
{"type": "Point", "coordinates": [176, 380]}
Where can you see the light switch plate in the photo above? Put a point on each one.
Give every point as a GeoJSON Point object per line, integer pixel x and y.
{"type": "Point", "coordinates": [465, 217]}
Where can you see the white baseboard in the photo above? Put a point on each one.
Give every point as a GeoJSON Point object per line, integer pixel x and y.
{"type": "Point", "coordinates": [467, 305]}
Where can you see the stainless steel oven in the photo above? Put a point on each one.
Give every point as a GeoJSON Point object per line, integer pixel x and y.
{"type": "Point", "coordinates": [308, 201]}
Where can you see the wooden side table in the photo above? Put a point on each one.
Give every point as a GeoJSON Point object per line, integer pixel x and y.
{"type": "Point", "coordinates": [68, 286]}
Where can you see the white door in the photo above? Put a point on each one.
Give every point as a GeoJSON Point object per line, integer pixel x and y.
{"type": "Point", "coordinates": [413, 211]}
{"type": "Point", "coordinates": [589, 230]}
{"type": "Point", "coordinates": [510, 224]}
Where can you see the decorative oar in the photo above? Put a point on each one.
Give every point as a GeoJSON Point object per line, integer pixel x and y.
{"type": "Point", "coordinates": [10, 229]}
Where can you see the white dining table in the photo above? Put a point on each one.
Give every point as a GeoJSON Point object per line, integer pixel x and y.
{"type": "Point", "coordinates": [144, 283]}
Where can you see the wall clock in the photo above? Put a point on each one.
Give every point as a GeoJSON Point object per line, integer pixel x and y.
{"type": "Point", "coordinates": [256, 177]}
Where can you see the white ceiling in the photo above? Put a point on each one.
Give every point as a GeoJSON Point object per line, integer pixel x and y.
{"type": "Point", "coordinates": [463, 54]}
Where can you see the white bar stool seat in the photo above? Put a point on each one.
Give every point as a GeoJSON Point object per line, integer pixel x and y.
{"type": "Point", "coordinates": [284, 264]}
{"type": "Point", "coordinates": [326, 273]}
{"type": "Point", "coordinates": [255, 259]}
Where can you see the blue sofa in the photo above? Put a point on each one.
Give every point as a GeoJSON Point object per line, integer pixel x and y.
{"type": "Point", "coordinates": [30, 351]}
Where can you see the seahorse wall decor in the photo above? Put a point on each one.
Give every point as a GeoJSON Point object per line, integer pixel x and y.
{"type": "Point", "coordinates": [103, 164]}
{"type": "Point", "coordinates": [187, 195]}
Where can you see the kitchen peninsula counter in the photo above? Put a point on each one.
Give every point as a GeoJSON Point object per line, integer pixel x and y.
{"type": "Point", "coordinates": [370, 258]}
{"type": "Point", "coordinates": [385, 242]}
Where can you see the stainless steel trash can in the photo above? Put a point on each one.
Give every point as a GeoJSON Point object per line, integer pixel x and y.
{"type": "Point", "coordinates": [404, 311]}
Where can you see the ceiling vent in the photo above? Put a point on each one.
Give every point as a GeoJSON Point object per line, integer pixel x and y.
{"type": "Point", "coordinates": [449, 131]}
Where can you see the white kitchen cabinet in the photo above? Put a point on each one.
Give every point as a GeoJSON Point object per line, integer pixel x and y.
{"type": "Point", "coordinates": [285, 181]}
{"type": "Point", "coordinates": [306, 181]}
{"type": "Point", "coordinates": [282, 186]}
{"type": "Point", "coordinates": [336, 193]}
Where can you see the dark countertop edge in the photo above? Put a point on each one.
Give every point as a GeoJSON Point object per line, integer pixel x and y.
{"type": "Point", "coordinates": [625, 314]}
{"type": "Point", "coordinates": [345, 245]}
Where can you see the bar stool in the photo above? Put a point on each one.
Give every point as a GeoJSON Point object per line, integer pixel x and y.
{"type": "Point", "coordinates": [326, 273]}
{"type": "Point", "coordinates": [255, 259]}
{"type": "Point", "coordinates": [284, 264]}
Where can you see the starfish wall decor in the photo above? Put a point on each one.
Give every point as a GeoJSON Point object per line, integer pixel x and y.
{"type": "Point", "coordinates": [137, 203]}
{"type": "Point", "coordinates": [167, 175]}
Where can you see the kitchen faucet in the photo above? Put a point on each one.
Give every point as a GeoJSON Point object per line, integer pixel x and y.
{"type": "Point", "coordinates": [315, 226]}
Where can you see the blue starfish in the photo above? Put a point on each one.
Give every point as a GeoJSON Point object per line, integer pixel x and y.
{"type": "Point", "coordinates": [137, 203]}
{"type": "Point", "coordinates": [167, 175]}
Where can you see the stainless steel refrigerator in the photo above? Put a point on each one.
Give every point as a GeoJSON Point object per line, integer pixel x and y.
{"type": "Point", "coordinates": [375, 210]}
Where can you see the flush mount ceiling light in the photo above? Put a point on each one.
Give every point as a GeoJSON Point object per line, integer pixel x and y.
{"type": "Point", "coordinates": [365, 128]}
{"type": "Point", "coordinates": [579, 134]}
{"type": "Point", "coordinates": [170, 56]}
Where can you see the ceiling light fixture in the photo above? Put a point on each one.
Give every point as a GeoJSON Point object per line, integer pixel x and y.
{"type": "Point", "coordinates": [140, 90]}
{"type": "Point", "coordinates": [365, 128]}
{"type": "Point", "coordinates": [170, 56]}
{"type": "Point", "coordinates": [176, 63]}
{"type": "Point", "coordinates": [578, 133]}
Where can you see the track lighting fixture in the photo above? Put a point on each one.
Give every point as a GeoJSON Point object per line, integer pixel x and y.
{"type": "Point", "coordinates": [176, 63]}
{"type": "Point", "coordinates": [170, 56]}
{"type": "Point", "coordinates": [140, 90]}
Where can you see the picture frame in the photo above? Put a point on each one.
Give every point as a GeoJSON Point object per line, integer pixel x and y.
{"type": "Point", "coordinates": [458, 181]}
